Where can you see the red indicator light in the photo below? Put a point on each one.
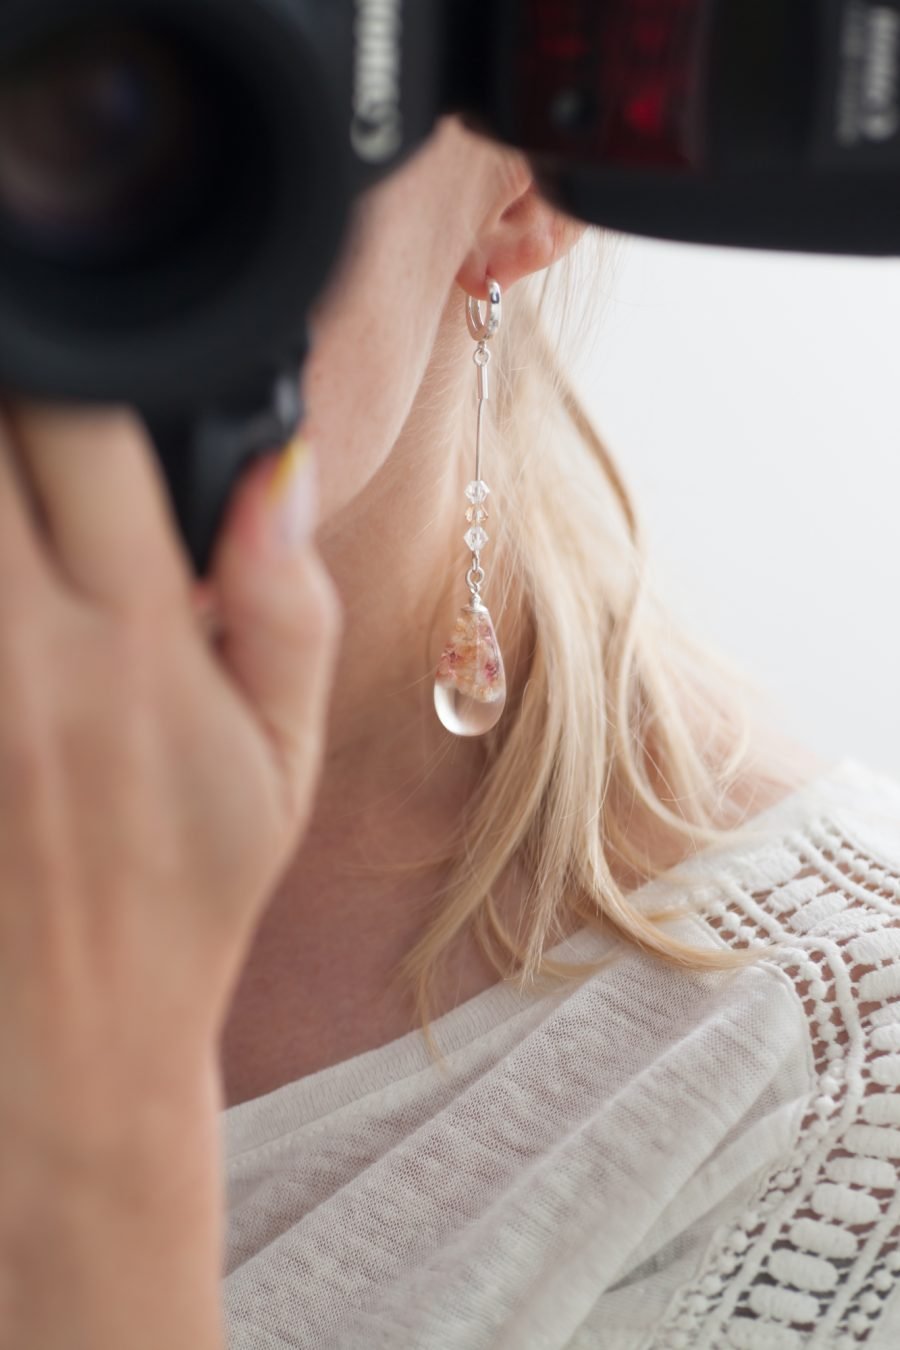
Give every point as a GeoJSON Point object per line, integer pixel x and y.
{"type": "Point", "coordinates": [646, 112]}
{"type": "Point", "coordinates": [618, 80]}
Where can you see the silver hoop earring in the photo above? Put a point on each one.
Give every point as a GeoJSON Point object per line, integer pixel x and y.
{"type": "Point", "coordinates": [470, 683]}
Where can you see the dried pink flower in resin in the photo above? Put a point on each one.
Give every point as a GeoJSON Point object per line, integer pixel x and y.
{"type": "Point", "coordinates": [470, 684]}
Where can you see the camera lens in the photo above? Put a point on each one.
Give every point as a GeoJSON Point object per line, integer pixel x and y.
{"type": "Point", "coordinates": [106, 136]}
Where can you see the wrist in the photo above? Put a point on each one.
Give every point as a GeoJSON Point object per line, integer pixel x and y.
{"type": "Point", "coordinates": [126, 1250]}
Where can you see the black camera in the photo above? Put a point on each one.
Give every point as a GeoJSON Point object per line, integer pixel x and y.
{"type": "Point", "coordinates": [177, 176]}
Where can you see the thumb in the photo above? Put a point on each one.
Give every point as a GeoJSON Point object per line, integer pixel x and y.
{"type": "Point", "coordinates": [279, 611]}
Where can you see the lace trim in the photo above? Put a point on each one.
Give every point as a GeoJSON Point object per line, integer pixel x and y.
{"type": "Point", "coordinates": [814, 1258]}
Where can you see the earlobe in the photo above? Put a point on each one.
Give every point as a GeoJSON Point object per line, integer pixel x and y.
{"type": "Point", "coordinates": [527, 237]}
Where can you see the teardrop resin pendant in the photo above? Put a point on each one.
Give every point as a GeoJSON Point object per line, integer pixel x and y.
{"type": "Point", "coordinates": [470, 684]}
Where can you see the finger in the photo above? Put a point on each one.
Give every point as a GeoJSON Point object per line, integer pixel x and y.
{"type": "Point", "coordinates": [109, 518]}
{"type": "Point", "coordinates": [24, 563]}
{"type": "Point", "coordinates": [281, 621]}
{"type": "Point", "coordinates": [206, 609]}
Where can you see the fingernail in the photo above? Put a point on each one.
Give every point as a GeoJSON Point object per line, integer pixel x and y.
{"type": "Point", "coordinates": [293, 496]}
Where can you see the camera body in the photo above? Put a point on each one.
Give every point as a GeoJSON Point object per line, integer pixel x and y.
{"type": "Point", "coordinates": [178, 177]}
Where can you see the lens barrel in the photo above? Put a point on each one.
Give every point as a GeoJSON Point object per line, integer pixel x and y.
{"type": "Point", "coordinates": [175, 183]}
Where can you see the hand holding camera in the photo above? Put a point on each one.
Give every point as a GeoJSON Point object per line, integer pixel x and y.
{"type": "Point", "coordinates": [153, 785]}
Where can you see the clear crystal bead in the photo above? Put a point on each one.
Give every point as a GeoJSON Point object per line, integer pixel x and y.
{"type": "Point", "coordinates": [470, 683]}
{"type": "Point", "coordinates": [476, 514]}
{"type": "Point", "coordinates": [478, 491]}
{"type": "Point", "coordinates": [476, 539]}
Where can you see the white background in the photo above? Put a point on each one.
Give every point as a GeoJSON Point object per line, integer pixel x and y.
{"type": "Point", "coordinates": [752, 401]}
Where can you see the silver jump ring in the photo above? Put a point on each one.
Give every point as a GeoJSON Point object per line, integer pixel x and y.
{"type": "Point", "coordinates": [483, 328]}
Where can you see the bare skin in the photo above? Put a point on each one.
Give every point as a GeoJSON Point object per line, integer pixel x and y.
{"type": "Point", "coordinates": [387, 413]}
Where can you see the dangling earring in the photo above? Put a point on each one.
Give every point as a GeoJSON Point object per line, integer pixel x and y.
{"type": "Point", "coordinates": [470, 684]}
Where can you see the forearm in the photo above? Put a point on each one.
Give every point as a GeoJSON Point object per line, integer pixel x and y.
{"type": "Point", "coordinates": [125, 1258]}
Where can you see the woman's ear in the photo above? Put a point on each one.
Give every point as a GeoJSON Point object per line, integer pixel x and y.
{"type": "Point", "coordinates": [526, 236]}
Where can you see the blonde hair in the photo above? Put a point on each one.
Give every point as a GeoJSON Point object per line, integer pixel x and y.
{"type": "Point", "coordinates": [626, 730]}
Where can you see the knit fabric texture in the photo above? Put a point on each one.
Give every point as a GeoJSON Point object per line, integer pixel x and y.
{"type": "Point", "coordinates": [650, 1159]}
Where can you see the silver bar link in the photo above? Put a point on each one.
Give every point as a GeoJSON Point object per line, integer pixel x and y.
{"type": "Point", "coordinates": [483, 325]}
{"type": "Point", "coordinates": [484, 383]}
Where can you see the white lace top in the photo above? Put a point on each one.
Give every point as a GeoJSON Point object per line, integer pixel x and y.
{"type": "Point", "coordinates": [645, 1161]}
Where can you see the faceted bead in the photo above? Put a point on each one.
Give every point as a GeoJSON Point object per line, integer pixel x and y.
{"type": "Point", "coordinates": [476, 514]}
{"type": "Point", "coordinates": [478, 491]}
{"type": "Point", "coordinates": [476, 539]}
{"type": "Point", "coordinates": [470, 684]}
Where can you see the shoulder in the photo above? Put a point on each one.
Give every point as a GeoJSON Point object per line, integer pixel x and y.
{"type": "Point", "coordinates": [819, 894]}
{"type": "Point", "coordinates": [824, 861]}
{"type": "Point", "coordinates": [816, 888]}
